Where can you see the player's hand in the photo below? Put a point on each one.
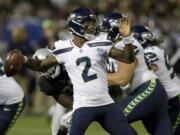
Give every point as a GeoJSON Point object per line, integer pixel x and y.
{"type": "Point", "coordinates": [125, 26]}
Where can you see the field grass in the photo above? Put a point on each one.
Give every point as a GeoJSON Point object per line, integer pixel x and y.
{"type": "Point", "coordinates": [33, 125]}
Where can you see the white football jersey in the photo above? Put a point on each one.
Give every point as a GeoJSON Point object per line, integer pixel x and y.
{"type": "Point", "coordinates": [10, 91]}
{"type": "Point", "coordinates": [141, 74]}
{"type": "Point", "coordinates": [156, 55]}
{"type": "Point", "coordinates": [101, 36]}
{"type": "Point", "coordinates": [112, 65]}
{"type": "Point", "coordinates": [86, 67]}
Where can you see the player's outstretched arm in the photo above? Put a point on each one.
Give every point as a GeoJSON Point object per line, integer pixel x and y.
{"type": "Point", "coordinates": [15, 60]}
{"type": "Point", "coordinates": [123, 75]}
{"type": "Point", "coordinates": [40, 65]}
{"type": "Point", "coordinates": [127, 55]}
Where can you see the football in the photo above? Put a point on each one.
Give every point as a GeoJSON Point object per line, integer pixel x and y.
{"type": "Point", "coordinates": [13, 62]}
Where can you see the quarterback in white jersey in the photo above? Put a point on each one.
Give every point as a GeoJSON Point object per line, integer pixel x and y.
{"type": "Point", "coordinates": [85, 62]}
{"type": "Point", "coordinates": [87, 59]}
{"type": "Point", "coordinates": [11, 101]}
{"type": "Point", "coordinates": [146, 88]}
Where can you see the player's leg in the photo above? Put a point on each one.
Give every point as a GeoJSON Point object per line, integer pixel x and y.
{"type": "Point", "coordinates": [56, 118]}
{"type": "Point", "coordinates": [82, 118]}
{"type": "Point", "coordinates": [114, 121]}
{"type": "Point", "coordinates": [145, 100]}
{"type": "Point", "coordinates": [159, 123]}
{"type": "Point", "coordinates": [9, 114]}
{"type": "Point", "coordinates": [65, 122]}
{"type": "Point", "coordinates": [174, 113]}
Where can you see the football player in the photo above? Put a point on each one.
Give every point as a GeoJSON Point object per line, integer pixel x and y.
{"type": "Point", "coordinates": [146, 90]}
{"type": "Point", "coordinates": [158, 61]}
{"type": "Point", "coordinates": [85, 62]}
{"type": "Point", "coordinates": [56, 83]}
{"type": "Point", "coordinates": [12, 101]}
{"type": "Point", "coordinates": [112, 33]}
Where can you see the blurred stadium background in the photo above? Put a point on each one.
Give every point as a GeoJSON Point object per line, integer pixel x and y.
{"type": "Point", "coordinates": [32, 24]}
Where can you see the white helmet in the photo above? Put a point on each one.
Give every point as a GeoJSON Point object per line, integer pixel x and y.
{"type": "Point", "coordinates": [42, 54]}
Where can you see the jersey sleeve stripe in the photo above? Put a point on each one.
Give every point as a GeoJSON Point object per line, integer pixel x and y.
{"type": "Point", "coordinates": [60, 51]}
{"type": "Point", "coordinates": [99, 44]}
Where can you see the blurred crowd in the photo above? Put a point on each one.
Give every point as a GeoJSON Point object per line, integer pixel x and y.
{"type": "Point", "coordinates": [32, 24]}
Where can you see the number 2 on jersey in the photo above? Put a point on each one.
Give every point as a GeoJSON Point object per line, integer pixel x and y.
{"type": "Point", "coordinates": [84, 74]}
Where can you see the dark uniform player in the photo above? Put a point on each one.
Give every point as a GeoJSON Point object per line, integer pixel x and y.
{"type": "Point", "coordinates": [56, 83]}
{"type": "Point", "coordinates": [56, 86]}
{"type": "Point", "coordinates": [61, 89]}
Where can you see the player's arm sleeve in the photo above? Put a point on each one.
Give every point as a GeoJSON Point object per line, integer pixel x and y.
{"type": "Point", "coordinates": [58, 57]}
{"type": "Point", "coordinates": [106, 47]}
{"type": "Point", "coordinates": [58, 52]}
{"type": "Point", "coordinates": [151, 58]}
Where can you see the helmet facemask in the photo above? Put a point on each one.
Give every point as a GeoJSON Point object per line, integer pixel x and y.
{"type": "Point", "coordinates": [90, 29]}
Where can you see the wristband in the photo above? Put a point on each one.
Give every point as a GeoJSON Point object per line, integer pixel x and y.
{"type": "Point", "coordinates": [127, 40]}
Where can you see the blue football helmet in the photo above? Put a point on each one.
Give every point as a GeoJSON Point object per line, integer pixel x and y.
{"type": "Point", "coordinates": [76, 19]}
{"type": "Point", "coordinates": [110, 25]}
{"type": "Point", "coordinates": [143, 35]}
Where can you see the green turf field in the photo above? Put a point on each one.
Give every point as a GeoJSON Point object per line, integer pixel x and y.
{"type": "Point", "coordinates": [33, 125]}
